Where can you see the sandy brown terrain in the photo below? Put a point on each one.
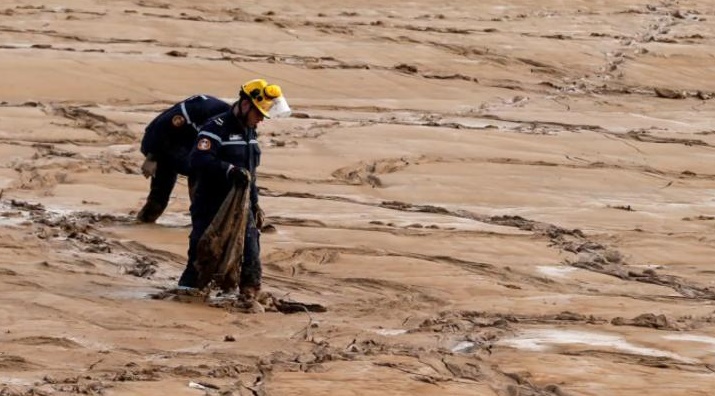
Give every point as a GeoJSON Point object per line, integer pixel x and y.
{"type": "Point", "coordinates": [489, 198]}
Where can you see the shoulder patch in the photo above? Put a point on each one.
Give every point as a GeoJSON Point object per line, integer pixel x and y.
{"type": "Point", "coordinates": [178, 121]}
{"type": "Point", "coordinates": [219, 121]}
{"type": "Point", "coordinates": [203, 144]}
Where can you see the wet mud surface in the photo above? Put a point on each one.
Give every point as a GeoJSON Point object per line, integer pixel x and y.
{"type": "Point", "coordinates": [470, 198]}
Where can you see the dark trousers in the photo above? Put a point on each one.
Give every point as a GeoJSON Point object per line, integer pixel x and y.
{"type": "Point", "coordinates": [251, 270]}
{"type": "Point", "coordinates": [162, 184]}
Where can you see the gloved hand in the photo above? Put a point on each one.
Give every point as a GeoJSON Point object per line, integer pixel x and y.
{"type": "Point", "coordinates": [239, 176]}
{"type": "Point", "coordinates": [149, 168]}
{"type": "Point", "coordinates": [260, 217]}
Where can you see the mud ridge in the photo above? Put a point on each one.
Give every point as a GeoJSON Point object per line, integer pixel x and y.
{"type": "Point", "coordinates": [80, 229]}
{"type": "Point", "coordinates": [645, 136]}
{"type": "Point", "coordinates": [366, 173]}
{"type": "Point", "coordinates": [414, 229]}
{"type": "Point", "coordinates": [661, 362]}
{"type": "Point", "coordinates": [469, 321]}
{"type": "Point", "coordinates": [61, 342]}
{"type": "Point", "coordinates": [597, 258]}
{"type": "Point", "coordinates": [115, 131]}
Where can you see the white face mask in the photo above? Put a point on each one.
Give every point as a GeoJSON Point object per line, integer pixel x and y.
{"type": "Point", "coordinates": [280, 108]}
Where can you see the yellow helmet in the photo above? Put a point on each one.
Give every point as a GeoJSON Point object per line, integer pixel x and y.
{"type": "Point", "coordinates": [267, 98]}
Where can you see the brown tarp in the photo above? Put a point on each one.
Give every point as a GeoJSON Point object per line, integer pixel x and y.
{"type": "Point", "coordinates": [220, 250]}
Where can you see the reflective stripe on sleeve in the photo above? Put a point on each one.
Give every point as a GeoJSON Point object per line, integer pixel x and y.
{"type": "Point", "coordinates": [212, 136]}
{"type": "Point", "coordinates": [234, 142]}
{"type": "Point", "coordinates": [186, 115]}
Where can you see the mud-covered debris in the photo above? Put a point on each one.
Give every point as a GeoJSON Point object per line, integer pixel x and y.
{"type": "Point", "coordinates": [660, 322]}
{"type": "Point", "coordinates": [627, 208]}
{"type": "Point", "coordinates": [143, 267]}
{"type": "Point", "coordinates": [571, 317]}
{"type": "Point", "coordinates": [23, 205]}
{"type": "Point", "coordinates": [699, 217]}
{"type": "Point", "coordinates": [265, 302]}
{"type": "Point", "coordinates": [465, 322]}
{"type": "Point", "coordinates": [670, 93]}
{"type": "Point", "coordinates": [598, 262]}
{"type": "Point", "coordinates": [84, 118]}
{"type": "Point", "coordinates": [239, 304]}
{"type": "Point", "coordinates": [289, 307]}
{"type": "Point", "coordinates": [102, 218]}
{"type": "Point", "coordinates": [177, 54]}
{"type": "Point", "coordinates": [704, 95]}
{"type": "Point", "coordinates": [412, 69]}
{"type": "Point", "coordinates": [454, 76]}
{"type": "Point", "coordinates": [134, 375]}
{"type": "Point", "coordinates": [580, 246]}
{"type": "Point", "coordinates": [182, 295]}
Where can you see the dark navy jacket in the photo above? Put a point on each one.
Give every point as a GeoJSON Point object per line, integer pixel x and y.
{"type": "Point", "coordinates": [223, 141]}
{"type": "Point", "coordinates": [172, 133]}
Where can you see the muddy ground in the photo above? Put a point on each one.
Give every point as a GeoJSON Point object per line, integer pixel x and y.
{"type": "Point", "coordinates": [489, 198]}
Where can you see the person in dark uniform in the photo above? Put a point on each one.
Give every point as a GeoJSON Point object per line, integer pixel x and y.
{"type": "Point", "coordinates": [166, 145]}
{"type": "Point", "coordinates": [226, 144]}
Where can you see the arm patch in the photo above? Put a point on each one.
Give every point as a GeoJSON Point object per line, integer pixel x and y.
{"type": "Point", "coordinates": [178, 121]}
{"type": "Point", "coordinates": [204, 144]}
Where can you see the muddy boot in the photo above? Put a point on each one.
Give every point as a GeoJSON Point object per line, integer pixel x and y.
{"type": "Point", "coordinates": [250, 292]}
{"type": "Point", "coordinates": [248, 295]}
{"type": "Point", "coordinates": [150, 212]}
